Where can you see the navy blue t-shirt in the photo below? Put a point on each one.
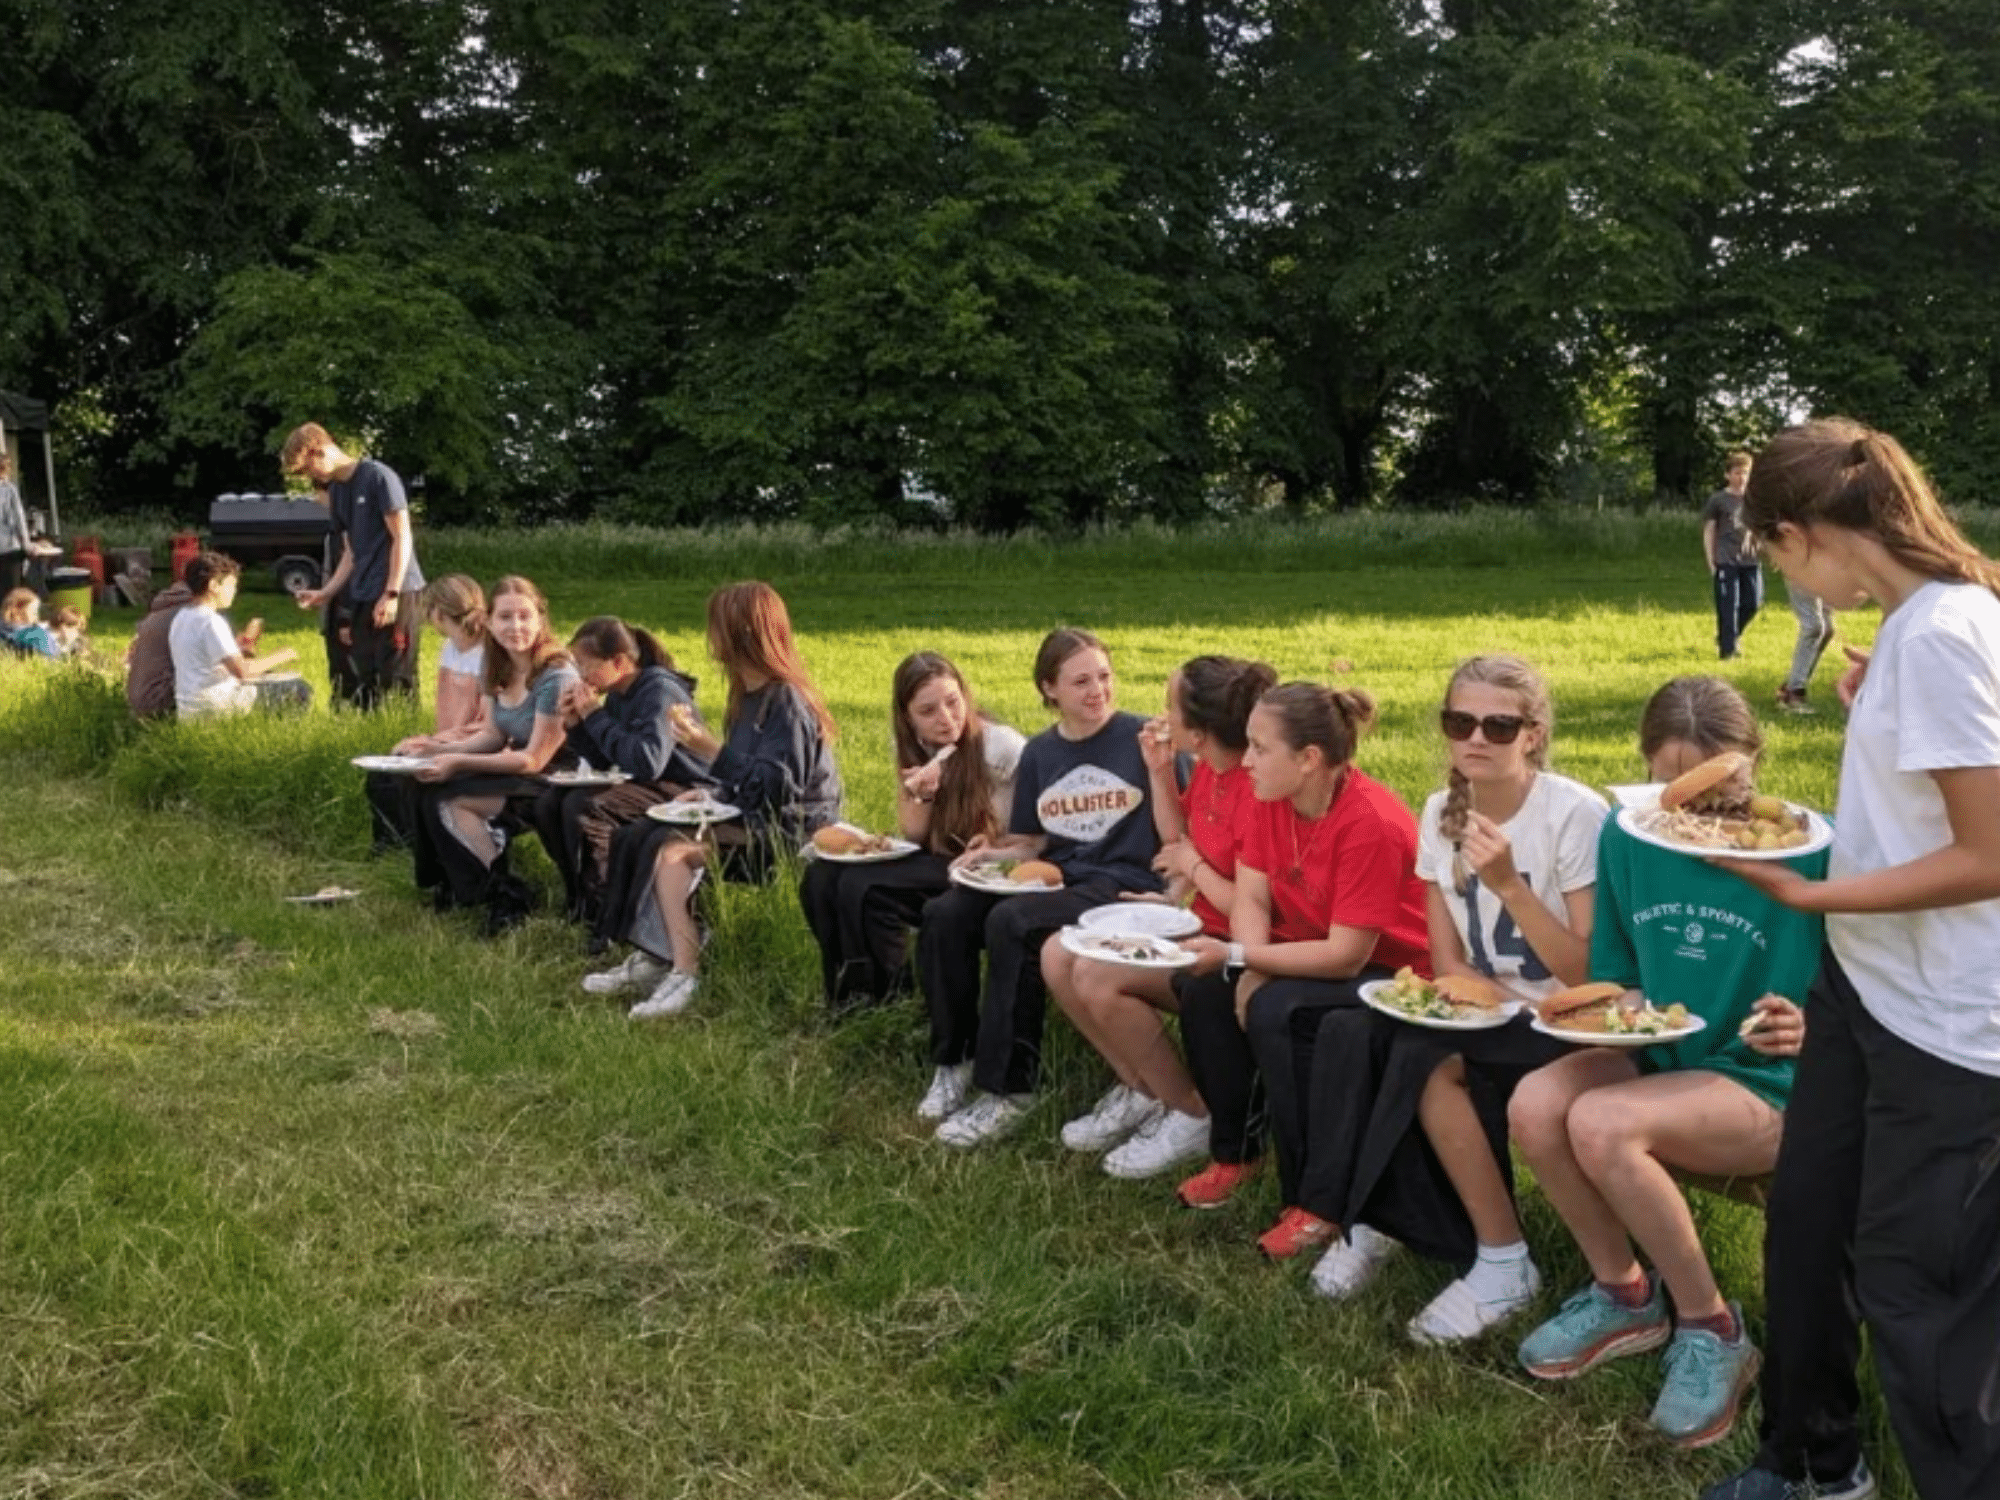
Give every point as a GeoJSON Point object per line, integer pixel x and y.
{"type": "Point", "coordinates": [1089, 798]}
{"type": "Point", "coordinates": [358, 504]}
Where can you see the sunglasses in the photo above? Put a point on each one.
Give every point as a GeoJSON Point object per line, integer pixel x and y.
{"type": "Point", "coordinates": [1499, 729]}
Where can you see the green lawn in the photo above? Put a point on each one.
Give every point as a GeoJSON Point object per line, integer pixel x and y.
{"type": "Point", "coordinates": [350, 1202]}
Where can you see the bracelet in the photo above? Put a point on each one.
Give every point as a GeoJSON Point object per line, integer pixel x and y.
{"type": "Point", "coordinates": [1233, 957]}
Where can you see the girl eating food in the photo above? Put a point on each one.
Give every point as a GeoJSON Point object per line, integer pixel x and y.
{"type": "Point", "coordinates": [955, 784]}
{"type": "Point", "coordinates": [1605, 1128]}
{"type": "Point", "coordinates": [1153, 1117]}
{"type": "Point", "coordinates": [487, 781]}
{"type": "Point", "coordinates": [1409, 1124]}
{"type": "Point", "coordinates": [1080, 814]}
{"type": "Point", "coordinates": [774, 766]}
{"type": "Point", "coordinates": [1327, 898]}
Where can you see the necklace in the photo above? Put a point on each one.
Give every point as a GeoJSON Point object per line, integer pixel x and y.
{"type": "Point", "coordinates": [1314, 825]}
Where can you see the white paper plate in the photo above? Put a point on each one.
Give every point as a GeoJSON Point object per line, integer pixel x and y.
{"type": "Point", "coordinates": [326, 896]}
{"type": "Point", "coordinates": [1619, 1039]}
{"type": "Point", "coordinates": [1102, 947]}
{"type": "Point", "coordinates": [588, 778]}
{"type": "Point", "coordinates": [898, 849]}
{"type": "Point", "coordinates": [401, 765]}
{"type": "Point", "coordinates": [1480, 1020]}
{"type": "Point", "coordinates": [1640, 794]}
{"type": "Point", "coordinates": [1146, 918]}
{"type": "Point", "coordinates": [685, 813]}
{"type": "Point", "coordinates": [1819, 834]}
{"type": "Point", "coordinates": [987, 880]}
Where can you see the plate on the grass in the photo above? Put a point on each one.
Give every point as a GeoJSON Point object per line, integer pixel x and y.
{"type": "Point", "coordinates": [893, 848]}
{"type": "Point", "coordinates": [684, 814]}
{"type": "Point", "coordinates": [397, 765]}
{"type": "Point", "coordinates": [1374, 990]}
{"type": "Point", "coordinates": [1620, 1038]}
{"type": "Point", "coordinates": [326, 895]}
{"type": "Point", "coordinates": [587, 776]}
{"type": "Point", "coordinates": [1136, 950]}
{"type": "Point", "coordinates": [1143, 918]}
{"type": "Point", "coordinates": [1819, 834]}
{"type": "Point", "coordinates": [990, 878]}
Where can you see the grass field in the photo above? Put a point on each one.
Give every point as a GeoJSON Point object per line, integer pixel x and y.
{"type": "Point", "coordinates": [349, 1202]}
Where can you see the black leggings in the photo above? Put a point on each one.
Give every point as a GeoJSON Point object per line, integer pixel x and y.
{"type": "Point", "coordinates": [1232, 1065]}
{"type": "Point", "coordinates": [1886, 1207]}
{"type": "Point", "coordinates": [1003, 1036]}
{"type": "Point", "coordinates": [861, 916]}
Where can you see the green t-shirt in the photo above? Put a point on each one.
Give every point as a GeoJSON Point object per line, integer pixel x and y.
{"type": "Point", "coordinates": [1682, 931]}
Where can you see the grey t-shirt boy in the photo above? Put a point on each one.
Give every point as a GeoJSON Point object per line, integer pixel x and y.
{"type": "Point", "coordinates": [358, 504]}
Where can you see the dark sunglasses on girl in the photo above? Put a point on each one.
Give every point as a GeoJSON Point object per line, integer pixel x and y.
{"type": "Point", "coordinates": [1499, 729]}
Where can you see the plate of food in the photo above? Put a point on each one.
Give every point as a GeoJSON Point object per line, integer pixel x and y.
{"type": "Point", "coordinates": [1007, 877]}
{"type": "Point", "coordinates": [1136, 950]}
{"type": "Point", "coordinates": [396, 765]}
{"type": "Point", "coordinates": [1457, 1002]}
{"type": "Point", "coordinates": [695, 811]}
{"type": "Point", "coordinates": [844, 844]}
{"type": "Point", "coordinates": [1715, 809]}
{"type": "Point", "coordinates": [326, 895]}
{"type": "Point", "coordinates": [1142, 918]}
{"type": "Point", "coordinates": [1597, 1015]}
{"type": "Point", "coordinates": [588, 776]}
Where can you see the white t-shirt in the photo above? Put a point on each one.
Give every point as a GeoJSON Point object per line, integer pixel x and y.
{"type": "Point", "coordinates": [200, 641]}
{"type": "Point", "coordinates": [1554, 836]}
{"type": "Point", "coordinates": [466, 661]}
{"type": "Point", "coordinates": [1930, 702]}
{"type": "Point", "coordinates": [1003, 744]}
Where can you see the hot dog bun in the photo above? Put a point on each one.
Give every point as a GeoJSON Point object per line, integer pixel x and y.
{"type": "Point", "coordinates": [1037, 872]}
{"type": "Point", "coordinates": [1471, 990]}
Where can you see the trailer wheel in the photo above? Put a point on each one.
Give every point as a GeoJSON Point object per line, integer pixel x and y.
{"type": "Point", "coordinates": [296, 574]}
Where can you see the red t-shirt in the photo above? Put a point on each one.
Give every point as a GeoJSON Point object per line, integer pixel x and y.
{"type": "Point", "coordinates": [1354, 867]}
{"type": "Point", "coordinates": [1218, 810]}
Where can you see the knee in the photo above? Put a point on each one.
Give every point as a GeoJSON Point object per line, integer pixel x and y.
{"type": "Point", "coordinates": [1538, 1117]}
{"type": "Point", "coordinates": [1601, 1130]}
{"type": "Point", "coordinates": [1058, 969]}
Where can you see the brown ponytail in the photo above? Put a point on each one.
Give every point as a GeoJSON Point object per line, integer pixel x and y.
{"type": "Point", "coordinates": [1309, 714]}
{"type": "Point", "coordinates": [1840, 473]}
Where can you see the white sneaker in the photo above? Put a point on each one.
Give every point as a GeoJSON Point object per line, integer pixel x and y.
{"type": "Point", "coordinates": [990, 1117]}
{"type": "Point", "coordinates": [1350, 1264]}
{"type": "Point", "coordinates": [1462, 1311]}
{"type": "Point", "coordinates": [639, 967]}
{"type": "Point", "coordinates": [669, 998]}
{"type": "Point", "coordinates": [946, 1095]}
{"type": "Point", "coordinates": [1116, 1116]}
{"type": "Point", "coordinates": [1164, 1141]}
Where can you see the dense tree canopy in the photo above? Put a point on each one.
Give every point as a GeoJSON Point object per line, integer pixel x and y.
{"type": "Point", "coordinates": [998, 261]}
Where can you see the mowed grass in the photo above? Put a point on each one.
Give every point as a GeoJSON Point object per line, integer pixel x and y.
{"type": "Point", "coordinates": [350, 1202]}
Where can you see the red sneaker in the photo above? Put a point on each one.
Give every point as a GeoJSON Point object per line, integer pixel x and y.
{"type": "Point", "coordinates": [1216, 1183]}
{"type": "Point", "coordinates": [1296, 1231]}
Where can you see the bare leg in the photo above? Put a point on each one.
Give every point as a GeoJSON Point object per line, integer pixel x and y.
{"type": "Point", "coordinates": [1452, 1124]}
{"type": "Point", "coordinates": [469, 818]}
{"type": "Point", "coordinates": [1124, 1007]}
{"type": "Point", "coordinates": [673, 883]}
{"type": "Point", "coordinates": [1625, 1137]}
{"type": "Point", "coordinates": [1539, 1119]}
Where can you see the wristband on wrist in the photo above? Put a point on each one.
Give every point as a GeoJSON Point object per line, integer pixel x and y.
{"type": "Point", "coordinates": [1233, 959]}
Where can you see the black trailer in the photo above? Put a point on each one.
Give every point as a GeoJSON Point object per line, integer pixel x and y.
{"type": "Point", "coordinates": [293, 534]}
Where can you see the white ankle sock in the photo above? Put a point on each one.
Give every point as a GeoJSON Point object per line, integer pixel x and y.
{"type": "Point", "coordinates": [1500, 1272]}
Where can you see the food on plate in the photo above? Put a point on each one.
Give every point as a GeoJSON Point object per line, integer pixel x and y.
{"type": "Point", "coordinates": [1035, 872]}
{"type": "Point", "coordinates": [837, 840]}
{"type": "Point", "coordinates": [1132, 945]}
{"type": "Point", "coordinates": [1600, 1007]}
{"type": "Point", "coordinates": [1716, 806]}
{"type": "Point", "coordinates": [1452, 997]}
